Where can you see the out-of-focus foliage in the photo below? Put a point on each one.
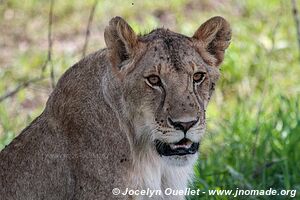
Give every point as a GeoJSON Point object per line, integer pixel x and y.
{"type": "Point", "coordinates": [253, 136]}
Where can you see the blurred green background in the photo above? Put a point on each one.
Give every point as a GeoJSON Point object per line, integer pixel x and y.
{"type": "Point", "coordinates": [253, 136]}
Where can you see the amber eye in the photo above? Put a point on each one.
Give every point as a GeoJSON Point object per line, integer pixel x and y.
{"type": "Point", "coordinates": [154, 80]}
{"type": "Point", "coordinates": [199, 77]}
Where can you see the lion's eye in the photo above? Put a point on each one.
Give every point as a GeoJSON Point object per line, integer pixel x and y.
{"type": "Point", "coordinates": [154, 80]}
{"type": "Point", "coordinates": [199, 77]}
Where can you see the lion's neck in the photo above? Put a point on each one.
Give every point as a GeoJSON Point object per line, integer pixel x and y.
{"type": "Point", "coordinates": [150, 171]}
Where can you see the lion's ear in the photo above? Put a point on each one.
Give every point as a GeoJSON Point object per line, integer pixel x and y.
{"type": "Point", "coordinates": [120, 40]}
{"type": "Point", "coordinates": [212, 39]}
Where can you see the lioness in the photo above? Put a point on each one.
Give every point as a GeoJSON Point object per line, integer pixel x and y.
{"type": "Point", "coordinates": [130, 116]}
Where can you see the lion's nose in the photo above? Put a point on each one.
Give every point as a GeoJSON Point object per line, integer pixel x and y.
{"type": "Point", "coordinates": [184, 126]}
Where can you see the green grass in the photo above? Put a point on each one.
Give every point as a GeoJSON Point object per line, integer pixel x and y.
{"type": "Point", "coordinates": [253, 136]}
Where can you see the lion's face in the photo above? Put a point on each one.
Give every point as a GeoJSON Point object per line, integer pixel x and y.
{"type": "Point", "coordinates": [165, 88]}
{"type": "Point", "coordinates": [169, 90]}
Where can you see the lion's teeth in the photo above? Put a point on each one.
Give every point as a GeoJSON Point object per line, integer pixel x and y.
{"type": "Point", "coordinates": [176, 146]}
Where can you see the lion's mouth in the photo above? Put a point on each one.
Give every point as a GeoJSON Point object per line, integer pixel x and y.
{"type": "Point", "coordinates": [183, 147]}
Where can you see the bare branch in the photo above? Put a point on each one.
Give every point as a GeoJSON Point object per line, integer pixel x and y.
{"type": "Point", "coordinates": [49, 54]}
{"type": "Point", "coordinates": [87, 33]}
{"type": "Point", "coordinates": [20, 87]}
{"type": "Point", "coordinates": [297, 21]}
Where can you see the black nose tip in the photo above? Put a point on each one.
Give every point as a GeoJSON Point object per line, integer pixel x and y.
{"type": "Point", "coordinates": [184, 126]}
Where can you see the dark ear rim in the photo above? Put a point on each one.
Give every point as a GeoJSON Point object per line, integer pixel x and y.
{"type": "Point", "coordinates": [121, 41]}
{"type": "Point", "coordinates": [212, 38]}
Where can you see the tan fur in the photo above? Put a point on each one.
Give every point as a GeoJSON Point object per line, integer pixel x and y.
{"type": "Point", "coordinates": [215, 35]}
{"type": "Point", "coordinates": [99, 126]}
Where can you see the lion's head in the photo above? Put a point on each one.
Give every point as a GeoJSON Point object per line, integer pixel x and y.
{"type": "Point", "coordinates": [160, 84]}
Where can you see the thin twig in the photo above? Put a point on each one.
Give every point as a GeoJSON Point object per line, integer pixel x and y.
{"type": "Point", "coordinates": [20, 87]}
{"type": "Point", "coordinates": [50, 44]}
{"type": "Point", "coordinates": [49, 52]}
{"type": "Point", "coordinates": [87, 33]}
{"type": "Point", "coordinates": [297, 21]}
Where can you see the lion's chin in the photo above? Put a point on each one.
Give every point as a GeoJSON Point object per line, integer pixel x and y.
{"type": "Point", "coordinates": [180, 161]}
